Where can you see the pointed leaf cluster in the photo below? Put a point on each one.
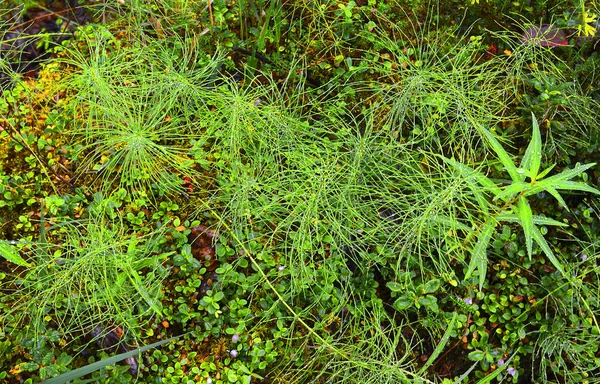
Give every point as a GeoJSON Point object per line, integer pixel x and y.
{"type": "Point", "coordinates": [515, 197]}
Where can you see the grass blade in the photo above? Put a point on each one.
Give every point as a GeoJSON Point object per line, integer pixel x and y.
{"type": "Point", "coordinates": [488, 379]}
{"type": "Point", "coordinates": [440, 347]}
{"type": "Point", "coordinates": [77, 373]}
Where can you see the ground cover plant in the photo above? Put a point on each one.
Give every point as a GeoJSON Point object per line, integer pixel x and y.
{"type": "Point", "coordinates": [311, 191]}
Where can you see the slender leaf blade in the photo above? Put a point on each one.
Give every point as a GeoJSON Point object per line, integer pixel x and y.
{"type": "Point", "coordinates": [551, 188]}
{"type": "Point", "coordinates": [490, 377]}
{"type": "Point", "coordinates": [546, 171]}
{"type": "Point", "coordinates": [533, 155]}
{"type": "Point", "coordinates": [77, 373]}
{"type": "Point", "coordinates": [539, 239]}
{"type": "Point", "coordinates": [441, 345]}
{"type": "Point", "coordinates": [11, 254]}
{"type": "Point", "coordinates": [537, 220]}
{"type": "Point", "coordinates": [526, 219]}
{"type": "Point", "coordinates": [558, 197]}
{"type": "Point", "coordinates": [503, 156]}
{"type": "Point", "coordinates": [512, 190]}
{"type": "Point", "coordinates": [468, 173]}
{"type": "Point", "coordinates": [568, 174]}
{"type": "Point", "coordinates": [577, 186]}
{"type": "Point", "coordinates": [479, 255]}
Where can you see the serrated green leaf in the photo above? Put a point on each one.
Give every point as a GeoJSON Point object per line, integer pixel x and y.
{"type": "Point", "coordinates": [512, 190]}
{"type": "Point", "coordinates": [478, 255]}
{"type": "Point", "coordinates": [503, 156]}
{"type": "Point", "coordinates": [533, 155]}
{"type": "Point", "coordinates": [539, 239]}
{"type": "Point", "coordinates": [526, 219]}
{"type": "Point", "coordinates": [10, 253]}
{"type": "Point", "coordinates": [537, 220]}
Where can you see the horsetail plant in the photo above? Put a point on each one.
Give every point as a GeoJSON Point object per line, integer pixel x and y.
{"type": "Point", "coordinates": [516, 207]}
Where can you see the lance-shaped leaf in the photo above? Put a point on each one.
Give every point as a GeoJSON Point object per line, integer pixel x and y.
{"type": "Point", "coordinates": [450, 223]}
{"type": "Point", "coordinates": [533, 155]}
{"type": "Point", "coordinates": [567, 174]}
{"type": "Point", "coordinates": [526, 219]}
{"type": "Point", "coordinates": [137, 283]}
{"type": "Point", "coordinates": [562, 181]}
{"type": "Point", "coordinates": [441, 345]}
{"type": "Point", "coordinates": [539, 239]}
{"type": "Point", "coordinates": [479, 255]}
{"type": "Point", "coordinates": [557, 196]}
{"type": "Point", "coordinates": [572, 186]}
{"type": "Point", "coordinates": [511, 190]}
{"type": "Point", "coordinates": [11, 254]}
{"type": "Point", "coordinates": [503, 156]}
{"type": "Point", "coordinates": [77, 373]}
{"type": "Point", "coordinates": [469, 173]}
{"type": "Point", "coordinates": [537, 220]}
{"type": "Point", "coordinates": [546, 171]}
